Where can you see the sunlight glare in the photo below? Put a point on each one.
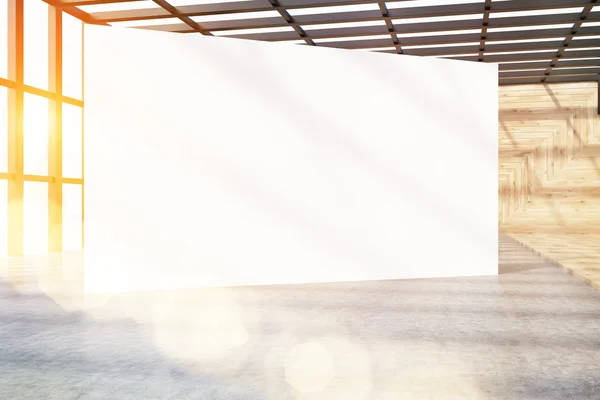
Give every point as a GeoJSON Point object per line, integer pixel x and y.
{"type": "Point", "coordinates": [3, 218]}
{"type": "Point", "coordinates": [3, 129]}
{"type": "Point", "coordinates": [35, 210]}
{"type": "Point", "coordinates": [328, 366]}
{"type": "Point", "coordinates": [72, 217]}
{"type": "Point", "coordinates": [201, 328]}
{"type": "Point", "coordinates": [72, 141]}
{"type": "Point", "coordinates": [309, 367]}
{"type": "Point", "coordinates": [3, 39]}
{"type": "Point", "coordinates": [36, 43]}
{"type": "Point", "coordinates": [35, 134]}
{"type": "Point", "coordinates": [72, 56]}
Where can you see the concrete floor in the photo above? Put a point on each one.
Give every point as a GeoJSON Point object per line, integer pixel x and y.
{"type": "Point", "coordinates": [531, 333]}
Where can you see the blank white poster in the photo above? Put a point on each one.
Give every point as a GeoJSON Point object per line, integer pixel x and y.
{"type": "Point", "coordinates": [223, 162]}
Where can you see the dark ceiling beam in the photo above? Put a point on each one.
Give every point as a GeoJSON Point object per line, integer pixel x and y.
{"type": "Point", "coordinates": [77, 3]}
{"type": "Point", "coordinates": [75, 12]}
{"type": "Point", "coordinates": [133, 15]}
{"type": "Point", "coordinates": [528, 57]}
{"type": "Point", "coordinates": [240, 4]}
{"type": "Point", "coordinates": [441, 40]}
{"type": "Point", "coordinates": [592, 62]}
{"type": "Point", "coordinates": [575, 71]}
{"type": "Point", "coordinates": [401, 13]}
{"type": "Point", "coordinates": [486, 21]}
{"type": "Point", "coordinates": [323, 33]}
{"type": "Point", "coordinates": [574, 78]}
{"type": "Point", "coordinates": [569, 39]}
{"type": "Point", "coordinates": [556, 72]}
{"type": "Point", "coordinates": [541, 65]}
{"type": "Point", "coordinates": [307, 20]}
{"type": "Point", "coordinates": [472, 38]}
{"type": "Point", "coordinates": [443, 51]}
{"type": "Point", "coordinates": [548, 45]}
{"type": "Point", "coordinates": [290, 20]}
{"type": "Point", "coordinates": [475, 8]}
{"type": "Point", "coordinates": [360, 44]}
{"type": "Point", "coordinates": [564, 66]}
{"type": "Point", "coordinates": [546, 55]}
{"type": "Point", "coordinates": [539, 34]}
{"type": "Point", "coordinates": [167, 7]}
{"type": "Point", "coordinates": [235, 7]}
{"type": "Point", "coordinates": [522, 74]}
{"type": "Point", "coordinates": [389, 25]}
{"type": "Point", "coordinates": [549, 79]}
{"type": "Point", "coordinates": [424, 40]}
{"type": "Point", "coordinates": [472, 49]}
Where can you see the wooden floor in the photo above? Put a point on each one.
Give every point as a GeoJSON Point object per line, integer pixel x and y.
{"type": "Point", "coordinates": [577, 254]}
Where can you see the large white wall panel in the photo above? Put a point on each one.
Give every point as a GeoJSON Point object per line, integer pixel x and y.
{"type": "Point", "coordinates": [214, 161]}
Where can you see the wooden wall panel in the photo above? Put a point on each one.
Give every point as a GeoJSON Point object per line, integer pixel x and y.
{"type": "Point", "coordinates": [549, 172]}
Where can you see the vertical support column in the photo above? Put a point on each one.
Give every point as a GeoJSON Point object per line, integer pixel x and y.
{"type": "Point", "coordinates": [55, 131]}
{"type": "Point", "coordinates": [15, 134]}
{"type": "Point", "coordinates": [83, 137]}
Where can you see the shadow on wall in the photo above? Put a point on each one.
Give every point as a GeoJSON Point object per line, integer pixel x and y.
{"type": "Point", "coordinates": [278, 98]}
{"type": "Point", "coordinates": [402, 184]}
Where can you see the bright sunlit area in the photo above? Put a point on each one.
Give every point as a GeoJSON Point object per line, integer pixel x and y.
{"type": "Point", "coordinates": [299, 199]}
{"type": "Point", "coordinates": [3, 217]}
{"type": "Point", "coordinates": [41, 132]}
{"type": "Point", "coordinates": [4, 38]}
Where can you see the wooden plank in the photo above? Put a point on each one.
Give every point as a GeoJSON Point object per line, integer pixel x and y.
{"type": "Point", "coordinates": [562, 176]}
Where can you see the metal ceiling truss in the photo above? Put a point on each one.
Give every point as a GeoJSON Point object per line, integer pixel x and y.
{"type": "Point", "coordinates": [556, 45]}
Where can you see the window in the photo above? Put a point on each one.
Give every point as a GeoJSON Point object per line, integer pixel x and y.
{"type": "Point", "coordinates": [72, 216]}
{"type": "Point", "coordinates": [35, 211]}
{"type": "Point", "coordinates": [35, 134]}
{"type": "Point", "coordinates": [3, 218]}
{"type": "Point", "coordinates": [35, 27]}
{"type": "Point", "coordinates": [42, 195]}
{"type": "Point", "coordinates": [72, 141]}
{"type": "Point", "coordinates": [3, 38]}
{"type": "Point", "coordinates": [72, 56]}
{"type": "Point", "coordinates": [3, 129]}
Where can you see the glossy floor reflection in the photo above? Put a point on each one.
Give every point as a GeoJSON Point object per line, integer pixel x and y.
{"type": "Point", "coordinates": [530, 333]}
